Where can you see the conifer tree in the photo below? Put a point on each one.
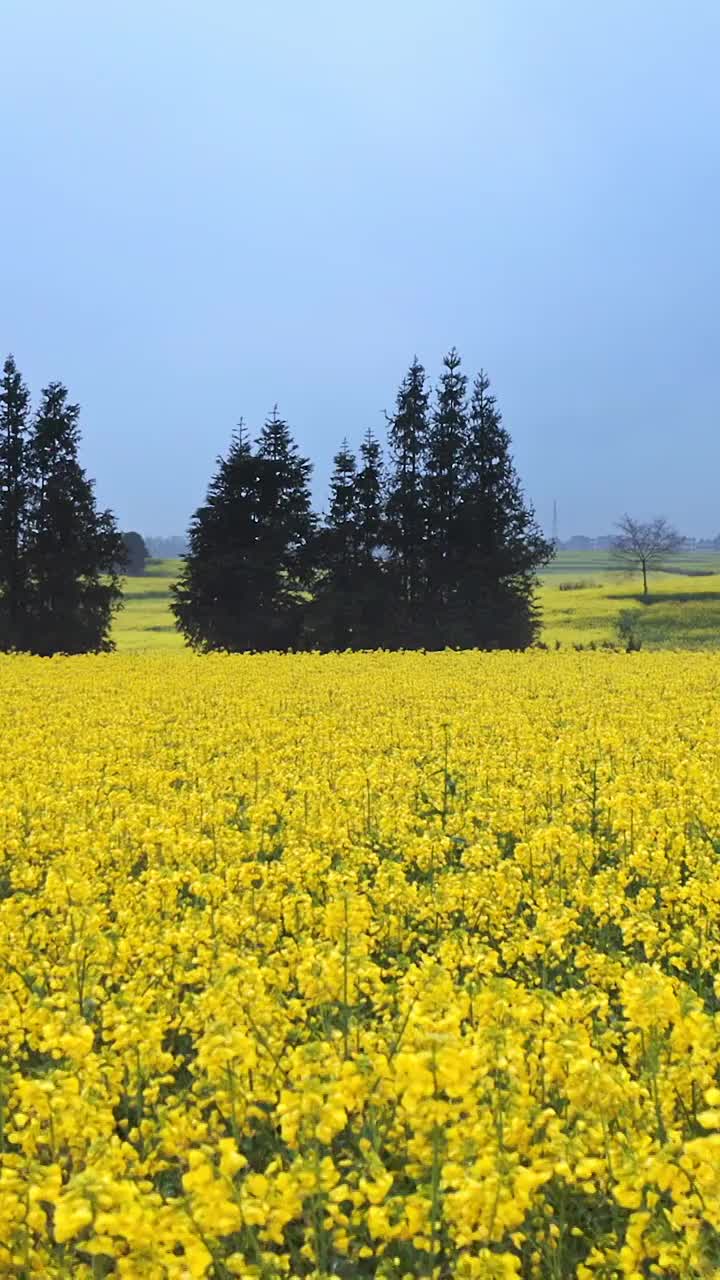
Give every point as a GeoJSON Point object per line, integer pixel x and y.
{"type": "Point", "coordinates": [14, 494]}
{"type": "Point", "coordinates": [500, 546]}
{"type": "Point", "coordinates": [443, 486]}
{"type": "Point", "coordinates": [340, 522]}
{"type": "Point", "coordinates": [341, 535]}
{"type": "Point", "coordinates": [369, 499]}
{"type": "Point", "coordinates": [250, 549]}
{"type": "Point", "coordinates": [73, 549]}
{"type": "Point", "coordinates": [288, 525]}
{"type": "Point", "coordinates": [405, 520]}
{"type": "Point", "coordinates": [334, 609]}
{"type": "Point", "coordinates": [224, 591]}
{"type": "Point", "coordinates": [375, 608]}
{"type": "Point", "coordinates": [286, 505]}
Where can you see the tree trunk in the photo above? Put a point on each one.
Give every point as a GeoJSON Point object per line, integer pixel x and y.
{"type": "Point", "coordinates": [644, 573]}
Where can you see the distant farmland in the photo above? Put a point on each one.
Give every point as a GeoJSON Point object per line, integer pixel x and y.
{"type": "Point", "coordinates": [582, 595]}
{"type": "Point", "coordinates": [146, 621]}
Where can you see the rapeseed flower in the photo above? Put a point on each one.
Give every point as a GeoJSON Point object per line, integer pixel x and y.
{"type": "Point", "coordinates": [373, 965]}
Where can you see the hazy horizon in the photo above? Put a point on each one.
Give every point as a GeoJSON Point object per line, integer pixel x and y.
{"type": "Point", "coordinates": [208, 210]}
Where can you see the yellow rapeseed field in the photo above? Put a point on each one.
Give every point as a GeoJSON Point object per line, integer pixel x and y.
{"type": "Point", "coordinates": [360, 966]}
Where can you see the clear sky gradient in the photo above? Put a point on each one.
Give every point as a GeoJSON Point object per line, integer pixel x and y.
{"type": "Point", "coordinates": [210, 206]}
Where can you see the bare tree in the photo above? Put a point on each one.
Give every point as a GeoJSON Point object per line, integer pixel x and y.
{"type": "Point", "coordinates": [645, 545]}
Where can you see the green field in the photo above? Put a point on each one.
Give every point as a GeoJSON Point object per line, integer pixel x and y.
{"type": "Point", "coordinates": [581, 595]}
{"type": "Point", "coordinates": [146, 621]}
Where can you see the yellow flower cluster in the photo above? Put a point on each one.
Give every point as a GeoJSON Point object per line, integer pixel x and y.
{"type": "Point", "coordinates": [381, 965]}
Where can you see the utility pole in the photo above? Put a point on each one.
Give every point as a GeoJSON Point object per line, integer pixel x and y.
{"type": "Point", "coordinates": [555, 539]}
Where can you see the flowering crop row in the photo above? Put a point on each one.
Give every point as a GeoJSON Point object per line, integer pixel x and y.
{"type": "Point", "coordinates": [360, 965]}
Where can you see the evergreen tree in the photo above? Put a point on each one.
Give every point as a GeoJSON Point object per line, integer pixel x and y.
{"type": "Point", "coordinates": [350, 606]}
{"type": "Point", "coordinates": [288, 528]}
{"type": "Point", "coordinates": [500, 545]}
{"type": "Point", "coordinates": [408, 430]}
{"type": "Point", "coordinates": [333, 614]}
{"type": "Point", "coordinates": [250, 549]}
{"type": "Point", "coordinates": [14, 493]}
{"type": "Point", "coordinates": [341, 523]}
{"type": "Point", "coordinates": [443, 489]}
{"type": "Point", "coordinates": [369, 499]}
{"type": "Point", "coordinates": [73, 549]}
{"type": "Point", "coordinates": [222, 596]}
{"type": "Point", "coordinates": [374, 611]}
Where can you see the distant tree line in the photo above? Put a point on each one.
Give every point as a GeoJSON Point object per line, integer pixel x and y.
{"type": "Point", "coordinates": [435, 546]}
{"type": "Point", "coordinates": [59, 554]}
{"type": "Point", "coordinates": [166, 548]}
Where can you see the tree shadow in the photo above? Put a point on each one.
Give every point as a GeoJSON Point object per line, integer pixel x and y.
{"type": "Point", "coordinates": [145, 595]}
{"type": "Point", "coordinates": [667, 597]}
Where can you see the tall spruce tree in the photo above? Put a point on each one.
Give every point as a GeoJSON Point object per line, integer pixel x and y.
{"type": "Point", "coordinates": [405, 516]}
{"type": "Point", "coordinates": [369, 499]}
{"type": "Point", "coordinates": [375, 607]}
{"type": "Point", "coordinates": [445, 467]}
{"type": "Point", "coordinates": [73, 549]}
{"type": "Point", "coordinates": [334, 610]}
{"type": "Point", "coordinates": [14, 494]}
{"type": "Point", "coordinates": [224, 592]}
{"type": "Point", "coordinates": [250, 549]}
{"type": "Point", "coordinates": [288, 528]}
{"type": "Point", "coordinates": [500, 546]}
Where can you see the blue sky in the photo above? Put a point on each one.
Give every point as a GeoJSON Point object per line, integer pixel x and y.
{"type": "Point", "coordinates": [208, 207]}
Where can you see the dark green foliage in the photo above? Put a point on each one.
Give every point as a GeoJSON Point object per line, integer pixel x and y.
{"type": "Point", "coordinates": [372, 598]}
{"type": "Point", "coordinates": [73, 549]}
{"type": "Point", "coordinates": [466, 576]}
{"type": "Point", "coordinates": [58, 582]}
{"type": "Point", "coordinates": [222, 593]}
{"type": "Point", "coordinates": [441, 553]}
{"type": "Point", "coordinates": [136, 554]}
{"type": "Point", "coordinates": [14, 483]}
{"type": "Point", "coordinates": [337, 552]}
{"type": "Point", "coordinates": [250, 549]}
{"type": "Point", "coordinates": [286, 517]}
{"type": "Point", "coordinates": [350, 606]}
{"type": "Point", "coordinates": [499, 546]}
{"type": "Point", "coordinates": [405, 515]}
{"type": "Point", "coordinates": [445, 468]}
{"type": "Point", "coordinates": [369, 499]}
